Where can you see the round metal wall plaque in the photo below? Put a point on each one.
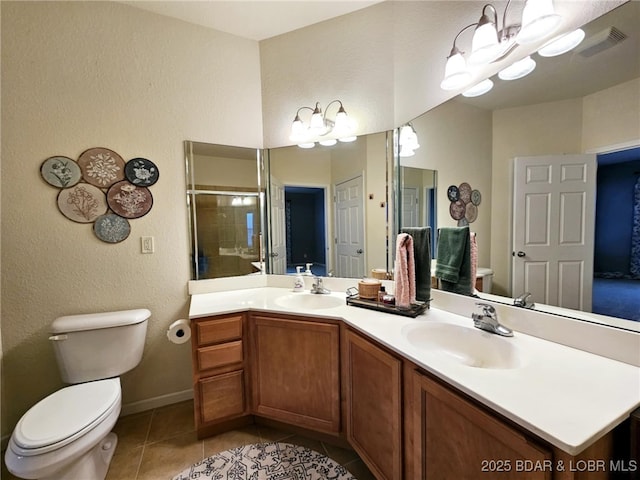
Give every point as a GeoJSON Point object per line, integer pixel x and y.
{"type": "Point", "coordinates": [141, 172]}
{"type": "Point", "coordinates": [111, 228]}
{"type": "Point", "coordinates": [101, 167]}
{"type": "Point", "coordinates": [82, 203]}
{"type": "Point", "coordinates": [61, 172]}
{"type": "Point", "coordinates": [129, 201]}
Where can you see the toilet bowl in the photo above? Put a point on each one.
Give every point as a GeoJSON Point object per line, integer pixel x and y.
{"type": "Point", "coordinates": [67, 435]}
{"type": "Point", "coordinates": [84, 415]}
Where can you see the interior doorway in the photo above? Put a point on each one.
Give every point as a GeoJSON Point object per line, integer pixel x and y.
{"type": "Point", "coordinates": [616, 283]}
{"type": "Point", "coordinates": [306, 228]}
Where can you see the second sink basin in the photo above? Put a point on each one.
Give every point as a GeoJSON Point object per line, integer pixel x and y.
{"type": "Point", "coordinates": [310, 301]}
{"type": "Point", "coordinates": [465, 345]}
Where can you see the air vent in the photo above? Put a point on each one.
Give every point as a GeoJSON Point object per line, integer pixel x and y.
{"type": "Point", "coordinates": [600, 41]}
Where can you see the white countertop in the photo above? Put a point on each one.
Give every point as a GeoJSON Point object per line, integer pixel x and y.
{"type": "Point", "coordinates": [566, 396]}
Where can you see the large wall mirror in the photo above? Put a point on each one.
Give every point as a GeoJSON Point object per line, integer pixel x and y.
{"type": "Point", "coordinates": [225, 197]}
{"type": "Point", "coordinates": [328, 207]}
{"type": "Point", "coordinates": [582, 102]}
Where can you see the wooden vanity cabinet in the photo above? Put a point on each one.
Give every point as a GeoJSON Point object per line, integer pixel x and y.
{"type": "Point", "coordinates": [220, 380]}
{"type": "Point", "coordinates": [454, 438]}
{"type": "Point", "coordinates": [373, 387]}
{"type": "Point", "coordinates": [295, 366]}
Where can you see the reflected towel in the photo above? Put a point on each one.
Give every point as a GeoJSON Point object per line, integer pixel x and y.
{"type": "Point", "coordinates": [405, 275]}
{"type": "Point", "coordinates": [473, 249]}
{"type": "Point", "coordinates": [453, 267]}
{"type": "Point", "coordinates": [422, 256]}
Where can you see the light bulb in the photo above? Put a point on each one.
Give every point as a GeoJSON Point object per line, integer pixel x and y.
{"type": "Point", "coordinates": [562, 44]}
{"type": "Point", "coordinates": [456, 74]}
{"type": "Point", "coordinates": [539, 19]}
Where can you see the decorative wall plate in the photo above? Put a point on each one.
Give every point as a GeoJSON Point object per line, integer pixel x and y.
{"type": "Point", "coordinates": [61, 172]}
{"type": "Point", "coordinates": [129, 201]}
{"type": "Point", "coordinates": [111, 228]}
{"type": "Point", "coordinates": [453, 194]}
{"type": "Point", "coordinates": [471, 212]}
{"type": "Point", "coordinates": [476, 197]}
{"type": "Point", "coordinates": [457, 209]}
{"type": "Point", "coordinates": [101, 167]}
{"type": "Point", "coordinates": [82, 203]}
{"type": "Point", "coordinates": [465, 192]}
{"type": "Point", "coordinates": [141, 171]}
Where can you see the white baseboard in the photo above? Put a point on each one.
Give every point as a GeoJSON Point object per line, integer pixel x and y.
{"type": "Point", "coordinates": [155, 402]}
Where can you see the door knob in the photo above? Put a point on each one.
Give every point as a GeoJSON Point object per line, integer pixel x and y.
{"type": "Point", "coordinates": [274, 254]}
{"type": "Point", "coordinates": [359, 251]}
{"type": "Point", "coordinates": [519, 254]}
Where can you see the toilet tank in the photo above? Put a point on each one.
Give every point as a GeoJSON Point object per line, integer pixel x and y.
{"type": "Point", "coordinates": [99, 345]}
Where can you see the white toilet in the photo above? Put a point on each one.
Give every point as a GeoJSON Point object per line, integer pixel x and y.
{"type": "Point", "coordinates": [66, 436]}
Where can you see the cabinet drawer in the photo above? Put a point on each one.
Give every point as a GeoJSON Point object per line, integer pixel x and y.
{"type": "Point", "coordinates": [219, 330]}
{"type": "Point", "coordinates": [219, 355]}
{"type": "Point", "coordinates": [222, 396]}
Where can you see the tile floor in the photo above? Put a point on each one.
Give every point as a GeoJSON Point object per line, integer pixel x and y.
{"type": "Point", "coordinates": [160, 443]}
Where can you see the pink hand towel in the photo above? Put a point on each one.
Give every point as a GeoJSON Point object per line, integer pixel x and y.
{"type": "Point", "coordinates": [474, 260]}
{"type": "Point", "coordinates": [405, 271]}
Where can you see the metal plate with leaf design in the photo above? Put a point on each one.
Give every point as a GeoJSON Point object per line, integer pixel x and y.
{"type": "Point", "coordinates": [82, 203]}
{"type": "Point", "coordinates": [111, 228]}
{"type": "Point", "coordinates": [101, 167]}
{"type": "Point", "coordinates": [141, 172]}
{"type": "Point", "coordinates": [61, 172]}
{"type": "Point", "coordinates": [129, 201]}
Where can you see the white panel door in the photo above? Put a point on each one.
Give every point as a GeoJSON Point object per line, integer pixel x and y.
{"type": "Point", "coordinates": [553, 229]}
{"type": "Point", "coordinates": [278, 250]}
{"type": "Point", "coordinates": [410, 210]}
{"type": "Point", "coordinates": [349, 215]}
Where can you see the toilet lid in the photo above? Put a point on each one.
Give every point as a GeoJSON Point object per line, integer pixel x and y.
{"type": "Point", "coordinates": [67, 414]}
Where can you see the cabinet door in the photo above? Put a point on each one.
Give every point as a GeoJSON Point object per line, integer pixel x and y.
{"type": "Point", "coordinates": [221, 396]}
{"type": "Point", "coordinates": [374, 413]}
{"type": "Point", "coordinates": [456, 440]}
{"type": "Point", "coordinates": [295, 370]}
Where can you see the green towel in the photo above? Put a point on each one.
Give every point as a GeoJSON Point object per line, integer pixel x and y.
{"type": "Point", "coordinates": [454, 260]}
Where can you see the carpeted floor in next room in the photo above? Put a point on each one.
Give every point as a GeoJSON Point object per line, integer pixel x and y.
{"type": "Point", "coordinates": [617, 297]}
{"type": "Point", "coordinates": [159, 444]}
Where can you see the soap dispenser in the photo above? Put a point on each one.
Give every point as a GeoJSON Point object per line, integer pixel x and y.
{"type": "Point", "coordinates": [308, 270]}
{"type": "Point", "coordinates": [298, 284]}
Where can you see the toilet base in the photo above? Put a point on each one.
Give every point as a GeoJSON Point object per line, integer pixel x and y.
{"type": "Point", "coordinates": [93, 465]}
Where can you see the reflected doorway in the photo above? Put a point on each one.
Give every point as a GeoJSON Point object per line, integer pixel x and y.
{"type": "Point", "coordinates": [306, 228]}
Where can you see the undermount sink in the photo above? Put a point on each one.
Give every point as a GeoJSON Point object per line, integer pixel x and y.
{"type": "Point", "coordinates": [465, 345]}
{"type": "Point", "coordinates": [309, 301]}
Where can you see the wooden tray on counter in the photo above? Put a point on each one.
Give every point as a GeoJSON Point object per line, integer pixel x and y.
{"type": "Point", "coordinates": [413, 310]}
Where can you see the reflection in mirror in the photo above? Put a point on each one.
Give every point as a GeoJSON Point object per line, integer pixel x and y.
{"type": "Point", "coordinates": [225, 204]}
{"type": "Point", "coordinates": [328, 207]}
{"type": "Point", "coordinates": [585, 101]}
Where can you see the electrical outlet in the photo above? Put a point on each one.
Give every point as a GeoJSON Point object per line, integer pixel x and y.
{"type": "Point", "coordinates": [146, 244]}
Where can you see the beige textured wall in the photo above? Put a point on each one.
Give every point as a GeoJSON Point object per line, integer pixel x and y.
{"type": "Point", "coordinates": [81, 74]}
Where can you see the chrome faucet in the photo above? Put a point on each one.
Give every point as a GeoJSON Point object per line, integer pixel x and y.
{"type": "Point", "coordinates": [317, 286]}
{"type": "Point", "coordinates": [488, 321]}
{"type": "Point", "coordinates": [521, 301]}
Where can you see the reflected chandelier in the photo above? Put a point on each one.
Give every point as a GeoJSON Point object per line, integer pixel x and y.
{"type": "Point", "coordinates": [491, 44]}
{"type": "Point", "coordinates": [321, 129]}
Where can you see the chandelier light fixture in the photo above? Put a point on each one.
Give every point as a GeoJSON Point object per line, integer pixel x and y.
{"type": "Point", "coordinates": [408, 141]}
{"type": "Point", "coordinates": [494, 42]}
{"type": "Point", "coordinates": [321, 129]}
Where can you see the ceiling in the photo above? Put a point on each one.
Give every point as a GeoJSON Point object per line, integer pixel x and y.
{"type": "Point", "coordinates": [253, 19]}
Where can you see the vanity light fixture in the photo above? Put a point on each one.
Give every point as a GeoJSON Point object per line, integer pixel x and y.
{"type": "Point", "coordinates": [479, 88]}
{"type": "Point", "coordinates": [340, 128]}
{"type": "Point", "coordinates": [490, 43]}
{"type": "Point", "coordinates": [408, 140]}
{"type": "Point", "coordinates": [518, 69]}
{"type": "Point", "coordinates": [562, 44]}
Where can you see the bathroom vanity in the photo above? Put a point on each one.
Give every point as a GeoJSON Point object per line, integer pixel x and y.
{"type": "Point", "coordinates": [519, 408]}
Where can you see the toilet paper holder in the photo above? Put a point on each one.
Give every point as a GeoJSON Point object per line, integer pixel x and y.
{"type": "Point", "coordinates": [179, 331]}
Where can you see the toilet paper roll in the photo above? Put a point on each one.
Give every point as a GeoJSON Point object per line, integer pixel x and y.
{"type": "Point", "coordinates": [179, 331]}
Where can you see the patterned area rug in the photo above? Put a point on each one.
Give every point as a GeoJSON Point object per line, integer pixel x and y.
{"type": "Point", "coordinates": [266, 461]}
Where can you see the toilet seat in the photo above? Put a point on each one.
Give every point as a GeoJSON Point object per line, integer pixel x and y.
{"type": "Point", "coordinates": [66, 415]}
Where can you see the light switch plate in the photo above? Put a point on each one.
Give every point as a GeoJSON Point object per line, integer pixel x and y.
{"type": "Point", "coordinates": [146, 245]}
